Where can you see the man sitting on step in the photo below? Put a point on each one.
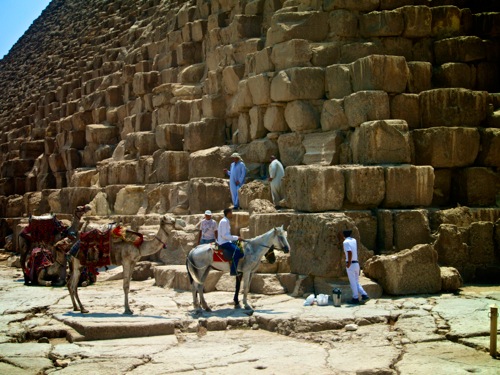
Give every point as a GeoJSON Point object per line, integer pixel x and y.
{"type": "Point", "coordinates": [225, 240]}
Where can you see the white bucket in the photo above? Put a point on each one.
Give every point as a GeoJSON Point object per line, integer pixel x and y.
{"type": "Point", "coordinates": [322, 299]}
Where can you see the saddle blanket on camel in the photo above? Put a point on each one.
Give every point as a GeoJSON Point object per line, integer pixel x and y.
{"type": "Point", "coordinates": [94, 247]}
{"type": "Point", "coordinates": [39, 258]}
{"type": "Point", "coordinates": [43, 229]}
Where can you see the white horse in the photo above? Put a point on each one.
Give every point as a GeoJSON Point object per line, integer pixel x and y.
{"type": "Point", "coordinates": [200, 261]}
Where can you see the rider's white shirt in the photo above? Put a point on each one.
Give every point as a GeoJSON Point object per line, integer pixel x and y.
{"type": "Point", "coordinates": [224, 232]}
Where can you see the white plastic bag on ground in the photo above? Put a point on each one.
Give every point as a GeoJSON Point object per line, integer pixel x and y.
{"type": "Point", "coordinates": [309, 300]}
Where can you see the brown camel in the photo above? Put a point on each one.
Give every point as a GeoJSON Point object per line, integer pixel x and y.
{"type": "Point", "coordinates": [27, 241]}
{"type": "Point", "coordinates": [121, 253]}
{"type": "Point", "coordinates": [51, 273]}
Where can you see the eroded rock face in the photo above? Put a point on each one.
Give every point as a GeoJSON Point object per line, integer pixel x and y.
{"type": "Point", "coordinates": [412, 271]}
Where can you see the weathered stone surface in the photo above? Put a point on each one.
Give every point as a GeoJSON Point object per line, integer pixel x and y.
{"type": "Point", "coordinates": [455, 75]}
{"type": "Point", "coordinates": [101, 134]}
{"type": "Point", "coordinates": [381, 142]}
{"type": "Point", "coordinates": [478, 186]}
{"type": "Point", "coordinates": [260, 86]}
{"type": "Point", "coordinates": [442, 147]}
{"type": "Point", "coordinates": [170, 136]}
{"type": "Point", "coordinates": [364, 186]}
{"type": "Point", "coordinates": [451, 281]}
{"type": "Point", "coordinates": [315, 236]}
{"type": "Point", "coordinates": [420, 76]}
{"type": "Point", "coordinates": [260, 151]}
{"type": "Point", "coordinates": [362, 6]}
{"type": "Point", "coordinates": [256, 128]}
{"type": "Point", "coordinates": [411, 227]}
{"type": "Point", "coordinates": [408, 186]}
{"type": "Point", "coordinates": [338, 81]}
{"type": "Point", "coordinates": [261, 206]}
{"type": "Point", "coordinates": [343, 23]}
{"type": "Point", "coordinates": [333, 116]}
{"type": "Point", "coordinates": [314, 188]}
{"type": "Point", "coordinates": [170, 166]}
{"type": "Point", "coordinates": [366, 106]}
{"type": "Point", "coordinates": [322, 148]}
{"type": "Point", "coordinates": [452, 107]}
{"type": "Point", "coordinates": [291, 148]}
{"type": "Point", "coordinates": [406, 107]}
{"type": "Point", "coordinates": [290, 54]}
{"type": "Point", "coordinates": [301, 115]}
{"type": "Point", "coordinates": [208, 194]}
{"type": "Point", "coordinates": [380, 72]}
{"type": "Point", "coordinates": [412, 271]}
{"type": "Point", "coordinates": [298, 83]}
{"type": "Point", "coordinates": [385, 23]}
{"type": "Point", "coordinates": [285, 26]}
{"type": "Point", "coordinates": [254, 190]}
{"type": "Point", "coordinates": [489, 152]}
{"type": "Point", "coordinates": [451, 246]}
{"type": "Point", "coordinates": [366, 222]}
{"type": "Point", "coordinates": [459, 49]}
{"type": "Point", "coordinates": [274, 119]}
{"type": "Point", "coordinates": [129, 200]}
{"type": "Point", "coordinates": [209, 162]}
{"type": "Point", "coordinates": [204, 134]}
{"type": "Point", "coordinates": [417, 21]}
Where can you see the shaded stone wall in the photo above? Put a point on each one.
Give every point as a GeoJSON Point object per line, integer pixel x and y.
{"type": "Point", "coordinates": [384, 109]}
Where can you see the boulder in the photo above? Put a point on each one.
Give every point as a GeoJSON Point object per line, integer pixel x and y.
{"type": "Point", "coordinates": [101, 134]}
{"type": "Point", "coordinates": [260, 151]}
{"type": "Point", "coordinates": [176, 277]}
{"type": "Point", "coordinates": [408, 186]}
{"type": "Point", "coordinates": [366, 222]}
{"type": "Point", "coordinates": [314, 188]}
{"type": "Point", "coordinates": [413, 271]}
{"type": "Point", "coordinates": [261, 206]}
{"type": "Point", "coordinates": [420, 76]}
{"type": "Point", "coordinates": [260, 223]}
{"type": "Point", "coordinates": [208, 193]}
{"type": "Point", "coordinates": [451, 280]}
{"type": "Point", "coordinates": [170, 136]}
{"type": "Point", "coordinates": [417, 21]}
{"type": "Point", "coordinates": [254, 190]}
{"type": "Point", "coordinates": [210, 162]}
{"type": "Point", "coordinates": [315, 246]}
{"type": "Point", "coordinates": [381, 142]}
{"type": "Point", "coordinates": [442, 147]}
{"type": "Point", "coordinates": [256, 128]}
{"type": "Point", "coordinates": [465, 49]}
{"type": "Point", "coordinates": [411, 227]}
{"type": "Point", "coordinates": [143, 271]}
{"type": "Point", "coordinates": [361, 6]}
{"type": "Point", "coordinates": [380, 72]}
{"type": "Point", "coordinates": [453, 251]}
{"type": "Point", "coordinates": [298, 83]}
{"type": "Point", "coordinates": [365, 106]}
{"type": "Point", "coordinates": [455, 75]}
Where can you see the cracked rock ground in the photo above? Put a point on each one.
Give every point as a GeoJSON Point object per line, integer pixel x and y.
{"type": "Point", "coordinates": [40, 334]}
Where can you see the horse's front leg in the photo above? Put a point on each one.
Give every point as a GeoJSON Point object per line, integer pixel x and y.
{"type": "Point", "coordinates": [247, 278]}
{"type": "Point", "coordinates": [237, 292]}
{"type": "Point", "coordinates": [128, 267]}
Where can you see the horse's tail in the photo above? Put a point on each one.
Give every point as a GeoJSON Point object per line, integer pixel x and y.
{"type": "Point", "coordinates": [189, 272]}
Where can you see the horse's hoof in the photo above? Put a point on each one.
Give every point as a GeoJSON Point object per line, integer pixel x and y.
{"type": "Point", "coordinates": [248, 307]}
{"type": "Point", "coordinates": [237, 305]}
{"type": "Point", "coordinates": [84, 311]}
{"type": "Point", "coordinates": [128, 312]}
{"type": "Point", "coordinates": [208, 309]}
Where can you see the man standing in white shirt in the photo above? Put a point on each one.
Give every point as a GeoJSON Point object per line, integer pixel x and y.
{"type": "Point", "coordinates": [352, 266]}
{"type": "Point", "coordinates": [208, 229]}
{"type": "Point", "coordinates": [276, 174]}
{"type": "Point", "coordinates": [225, 240]}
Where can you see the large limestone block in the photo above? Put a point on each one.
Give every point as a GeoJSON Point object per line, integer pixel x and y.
{"type": "Point", "coordinates": [451, 246]}
{"type": "Point", "coordinates": [417, 21]}
{"type": "Point", "coordinates": [364, 186]}
{"type": "Point", "coordinates": [209, 162]}
{"type": "Point", "coordinates": [301, 116]}
{"type": "Point", "coordinates": [212, 106]}
{"type": "Point", "coordinates": [451, 280]}
{"type": "Point", "coordinates": [231, 75]}
{"type": "Point", "coordinates": [243, 98]}
{"type": "Point", "coordinates": [381, 142]}
{"type": "Point", "coordinates": [442, 187]}
{"type": "Point", "coordinates": [333, 116]}
{"type": "Point", "coordinates": [129, 200]}
{"type": "Point", "coordinates": [260, 88]}
{"type": "Point", "coordinates": [140, 143]}
{"type": "Point", "coordinates": [446, 21]}
{"type": "Point", "coordinates": [343, 23]}
{"type": "Point", "coordinates": [257, 129]}
{"type": "Point", "coordinates": [365, 106]}
{"type": "Point", "coordinates": [192, 74]}
{"type": "Point", "coordinates": [338, 81]}
{"type": "Point", "coordinates": [298, 83]}
{"type": "Point", "coordinates": [243, 127]}
{"type": "Point", "coordinates": [171, 198]}
{"type": "Point", "coordinates": [478, 186]}
{"type": "Point", "coordinates": [101, 134]}
{"type": "Point", "coordinates": [245, 26]}
{"type": "Point", "coordinates": [406, 107]}
{"type": "Point", "coordinates": [170, 136]}
{"type": "Point", "coordinates": [455, 75]}
{"type": "Point", "coordinates": [324, 54]}
{"type": "Point", "coordinates": [285, 26]}
{"type": "Point", "coordinates": [293, 53]}
{"type": "Point", "coordinates": [443, 147]}
{"type": "Point", "coordinates": [361, 6]}
{"type": "Point", "coordinates": [380, 72]}
{"type": "Point", "coordinates": [189, 53]}
{"type": "Point", "coordinates": [144, 83]}
{"type": "Point", "coordinates": [171, 166]}
{"type": "Point", "coordinates": [408, 186]}
{"type": "Point", "coordinates": [261, 223]}
{"type": "Point", "coordinates": [412, 271]}
{"type": "Point", "coordinates": [291, 149]}
{"type": "Point", "coordinates": [420, 76]}
{"type": "Point", "coordinates": [482, 244]}
{"type": "Point", "coordinates": [384, 23]}
{"type": "Point", "coordinates": [459, 49]}
{"type": "Point", "coordinates": [204, 134]}
{"type": "Point", "coordinates": [208, 194]}
{"type": "Point", "coordinates": [452, 107]}
{"type": "Point", "coordinates": [176, 277]}
{"type": "Point", "coordinates": [254, 190]}
{"type": "Point", "coordinates": [411, 227]}
{"type": "Point", "coordinates": [315, 246]}
{"type": "Point", "coordinates": [263, 61]}
{"type": "Point", "coordinates": [314, 188]}
{"type": "Point", "coordinates": [260, 151]}
{"type": "Point", "coordinates": [489, 153]}
{"type": "Point", "coordinates": [322, 148]}
{"type": "Point", "coordinates": [274, 118]}
{"type": "Point", "coordinates": [366, 222]}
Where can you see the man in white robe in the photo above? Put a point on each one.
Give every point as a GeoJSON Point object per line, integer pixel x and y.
{"type": "Point", "coordinates": [276, 174]}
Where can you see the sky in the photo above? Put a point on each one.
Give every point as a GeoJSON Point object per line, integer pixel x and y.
{"type": "Point", "coordinates": [16, 16]}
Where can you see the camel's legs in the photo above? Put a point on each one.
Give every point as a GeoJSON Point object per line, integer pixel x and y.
{"type": "Point", "coordinates": [247, 278]}
{"type": "Point", "coordinates": [75, 268]}
{"type": "Point", "coordinates": [128, 267]}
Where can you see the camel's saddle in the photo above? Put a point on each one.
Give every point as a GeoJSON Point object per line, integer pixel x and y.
{"type": "Point", "coordinates": [39, 258]}
{"type": "Point", "coordinates": [43, 229]}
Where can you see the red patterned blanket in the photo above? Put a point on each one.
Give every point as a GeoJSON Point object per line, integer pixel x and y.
{"type": "Point", "coordinates": [39, 258]}
{"type": "Point", "coordinates": [43, 229]}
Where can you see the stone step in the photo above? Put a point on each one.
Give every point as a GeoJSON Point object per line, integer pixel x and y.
{"type": "Point", "coordinates": [325, 286]}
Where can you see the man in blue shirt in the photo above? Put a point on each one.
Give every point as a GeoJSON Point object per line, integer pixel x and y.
{"type": "Point", "coordinates": [225, 240]}
{"type": "Point", "coordinates": [236, 173]}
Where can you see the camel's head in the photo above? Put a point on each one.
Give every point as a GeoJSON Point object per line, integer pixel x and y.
{"type": "Point", "coordinates": [81, 210]}
{"type": "Point", "coordinates": [167, 220]}
{"type": "Point", "coordinates": [282, 242]}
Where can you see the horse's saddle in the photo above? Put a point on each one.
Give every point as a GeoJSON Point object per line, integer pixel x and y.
{"type": "Point", "coordinates": [43, 229]}
{"type": "Point", "coordinates": [222, 255]}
